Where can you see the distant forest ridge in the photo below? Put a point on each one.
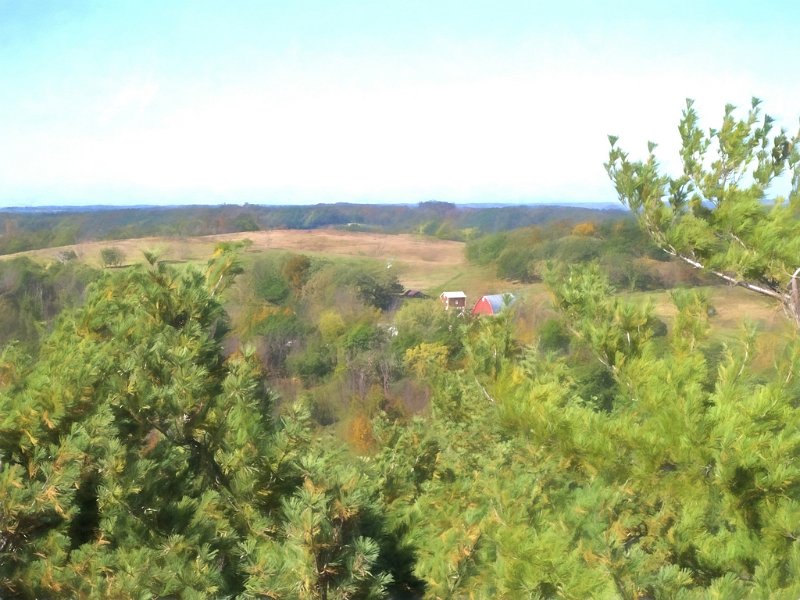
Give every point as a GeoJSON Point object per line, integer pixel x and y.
{"type": "Point", "coordinates": [72, 208]}
{"type": "Point", "coordinates": [32, 228]}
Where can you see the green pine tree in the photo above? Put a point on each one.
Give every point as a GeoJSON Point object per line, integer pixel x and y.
{"type": "Point", "coordinates": [135, 460]}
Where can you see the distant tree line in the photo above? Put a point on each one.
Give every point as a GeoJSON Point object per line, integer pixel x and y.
{"type": "Point", "coordinates": [26, 230]}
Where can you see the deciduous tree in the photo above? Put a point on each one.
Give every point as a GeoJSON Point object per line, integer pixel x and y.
{"type": "Point", "coordinates": [112, 257]}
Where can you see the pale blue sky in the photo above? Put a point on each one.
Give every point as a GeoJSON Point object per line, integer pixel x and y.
{"type": "Point", "coordinates": [382, 101]}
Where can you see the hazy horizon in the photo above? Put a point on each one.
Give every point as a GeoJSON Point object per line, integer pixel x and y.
{"type": "Point", "coordinates": [598, 205]}
{"type": "Point", "coordinates": [150, 103]}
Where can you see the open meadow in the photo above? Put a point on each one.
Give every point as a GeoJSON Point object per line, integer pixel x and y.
{"type": "Point", "coordinates": [428, 264]}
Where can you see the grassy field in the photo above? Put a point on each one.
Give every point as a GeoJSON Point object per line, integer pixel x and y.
{"type": "Point", "coordinates": [733, 306]}
{"type": "Point", "coordinates": [422, 263]}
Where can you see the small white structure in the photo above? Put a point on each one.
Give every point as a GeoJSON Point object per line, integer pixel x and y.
{"type": "Point", "coordinates": [456, 300]}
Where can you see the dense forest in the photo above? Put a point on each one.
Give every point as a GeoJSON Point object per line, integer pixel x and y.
{"type": "Point", "coordinates": [29, 229]}
{"type": "Point", "coordinates": [289, 425]}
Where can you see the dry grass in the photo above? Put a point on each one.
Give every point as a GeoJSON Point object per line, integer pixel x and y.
{"type": "Point", "coordinates": [735, 306]}
{"type": "Point", "coordinates": [89, 252]}
{"type": "Point", "coordinates": [732, 305]}
{"type": "Point", "coordinates": [421, 263]}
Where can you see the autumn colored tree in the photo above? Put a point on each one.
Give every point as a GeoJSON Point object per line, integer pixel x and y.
{"type": "Point", "coordinates": [587, 228]}
{"type": "Point", "coordinates": [296, 269]}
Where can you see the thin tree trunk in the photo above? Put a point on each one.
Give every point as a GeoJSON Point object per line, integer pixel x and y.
{"type": "Point", "coordinates": [794, 297]}
{"type": "Point", "coordinates": [790, 300]}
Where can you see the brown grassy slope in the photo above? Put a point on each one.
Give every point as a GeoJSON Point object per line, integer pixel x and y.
{"type": "Point", "coordinates": [423, 263]}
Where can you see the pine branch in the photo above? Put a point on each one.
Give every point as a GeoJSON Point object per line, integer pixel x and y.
{"type": "Point", "coordinates": [731, 280]}
{"type": "Point", "coordinates": [485, 393]}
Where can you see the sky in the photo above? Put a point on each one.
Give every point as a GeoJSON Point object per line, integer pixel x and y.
{"type": "Point", "coordinates": [307, 101]}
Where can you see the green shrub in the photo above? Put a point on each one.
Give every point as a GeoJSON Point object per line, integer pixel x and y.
{"type": "Point", "coordinates": [269, 282]}
{"type": "Point", "coordinates": [111, 257]}
{"type": "Point", "coordinates": [553, 336]}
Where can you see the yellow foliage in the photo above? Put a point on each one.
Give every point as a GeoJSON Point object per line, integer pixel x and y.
{"type": "Point", "coordinates": [331, 325]}
{"type": "Point", "coordinates": [360, 434]}
{"type": "Point", "coordinates": [586, 229]}
{"type": "Point", "coordinates": [257, 315]}
{"type": "Point", "coordinates": [424, 358]}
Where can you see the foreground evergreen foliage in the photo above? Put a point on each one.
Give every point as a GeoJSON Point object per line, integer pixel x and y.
{"type": "Point", "coordinates": [686, 486]}
{"type": "Point", "coordinates": [138, 462]}
{"type": "Point", "coordinates": [135, 461]}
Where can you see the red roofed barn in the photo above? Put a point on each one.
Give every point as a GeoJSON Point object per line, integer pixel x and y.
{"type": "Point", "coordinates": [492, 304]}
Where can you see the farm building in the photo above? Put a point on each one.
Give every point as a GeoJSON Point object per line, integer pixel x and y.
{"type": "Point", "coordinates": [492, 304]}
{"type": "Point", "coordinates": [457, 300]}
